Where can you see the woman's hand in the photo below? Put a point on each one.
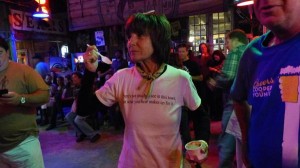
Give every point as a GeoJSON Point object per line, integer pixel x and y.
{"type": "Point", "coordinates": [90, 58]}
{"type": "Point", "coordinates": [194, 162]}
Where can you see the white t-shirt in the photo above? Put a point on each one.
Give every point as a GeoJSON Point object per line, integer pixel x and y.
{"type": "Point", "coordinates": [151, 137]}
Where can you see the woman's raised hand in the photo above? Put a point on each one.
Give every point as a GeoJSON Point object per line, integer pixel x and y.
{"type": "Point", "coordinates": [90, 58]}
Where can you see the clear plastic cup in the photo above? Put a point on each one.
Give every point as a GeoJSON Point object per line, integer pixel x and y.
{"type": "Point", "coordinates": [197, 150]}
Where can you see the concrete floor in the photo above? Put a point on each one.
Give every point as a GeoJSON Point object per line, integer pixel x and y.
{"type": "Point", "coordinates": [61, 151]}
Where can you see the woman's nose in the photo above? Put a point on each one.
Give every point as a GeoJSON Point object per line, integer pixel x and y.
{"type": "Point", "coordinates": [132, 40]}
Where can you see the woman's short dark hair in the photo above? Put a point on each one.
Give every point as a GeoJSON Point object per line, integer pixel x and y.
{"type": "Point", "coordinates": [220, 54]}
{"type": "Point", "coordinates": [159, 30]}
{"type": "Point", "coordinates": [78, 74]}
{"type": "Point", "coordinates": [183, 45]}
{"type": "Point", "coordinates": [4, 44]}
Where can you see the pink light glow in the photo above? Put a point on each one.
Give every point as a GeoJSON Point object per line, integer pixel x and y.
{"type": "Point", "coordinates": [245, 3]}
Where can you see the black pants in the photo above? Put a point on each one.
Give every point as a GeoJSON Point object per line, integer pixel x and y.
{"type": "Point", "coordinates": [184, 126]}
{"type": "Point", "coordinates": [201, 123]}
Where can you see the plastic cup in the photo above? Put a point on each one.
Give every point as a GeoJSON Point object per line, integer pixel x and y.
{"type": "Point", "coordinates": [197, 150]}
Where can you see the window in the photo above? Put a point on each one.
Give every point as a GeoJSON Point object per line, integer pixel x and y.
{"type": "Point", "coordinates": [197, 26]}
{"type": "Point", "coordinates": [220, 24]}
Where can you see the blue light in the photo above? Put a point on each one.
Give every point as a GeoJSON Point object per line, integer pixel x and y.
{"type": "Point", "coordinates": [40, 15]}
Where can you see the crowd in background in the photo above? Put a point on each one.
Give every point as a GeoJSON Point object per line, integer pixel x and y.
{"type": "Point", "coordinates": [202, 68]}
{"type": "Point", "coordinates": [211, 86]}
{"type": "Point", "coordinates": [208, 65]}
{"type": "Point", "coordinates": [63, 94]}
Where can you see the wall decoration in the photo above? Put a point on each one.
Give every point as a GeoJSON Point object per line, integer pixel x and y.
{"type": "Point", "coordinates": [22, 56]}
{"type": "Point", "coordinates": [99, 38]}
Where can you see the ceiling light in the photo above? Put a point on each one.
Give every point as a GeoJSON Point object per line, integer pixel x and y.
{"type": "Point", "coordinates": [41, 10]}
{"type": "Point", "coordinates": [243, 2]}
{"type": "Point", "coordinates": [40, 13]}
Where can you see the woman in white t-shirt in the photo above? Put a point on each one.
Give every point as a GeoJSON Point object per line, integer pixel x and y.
{"type": "Point", "coordinates": [150, 95]}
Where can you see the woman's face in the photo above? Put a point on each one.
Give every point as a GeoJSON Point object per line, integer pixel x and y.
{"type": "Point", "coordinates": [217, 57]}
{"type": "Point", "coordinates": [139, 47]}
{"type": "Point", "coordinates": [203, 48]}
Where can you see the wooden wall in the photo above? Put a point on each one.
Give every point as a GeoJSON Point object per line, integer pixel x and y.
{"type": "Point", "coordinates": [87, 14]}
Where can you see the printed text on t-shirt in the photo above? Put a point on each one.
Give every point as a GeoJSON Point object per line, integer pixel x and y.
{"type": "Point", "coordinates": [152, 99]}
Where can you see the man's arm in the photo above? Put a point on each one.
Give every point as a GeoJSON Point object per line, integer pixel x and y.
{"type": "Point", "coordinates": [36, 98]}
{"type": "Point", "coordinates": [242, 111]}
{"type": "Point", "coordinates": [86, 96]}
{"type": "Point", "coordinates": [230, 68]}
{"type": "Point", "coordinates": [109, 71]}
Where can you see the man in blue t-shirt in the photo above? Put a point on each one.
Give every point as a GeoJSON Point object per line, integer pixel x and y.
{"type": "Point", "coordinates": [41, 66]}
{"type": "Point", "coordinates": [269, 80]}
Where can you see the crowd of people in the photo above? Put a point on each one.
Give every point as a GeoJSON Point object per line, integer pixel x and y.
{"type": "Point", "coordinates": [155, 100]}
{"type": "Point", "coordinates": [63, 96]}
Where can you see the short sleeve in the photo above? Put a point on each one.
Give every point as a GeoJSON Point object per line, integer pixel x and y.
{"type": "Point", "coordinates": [238, 90]}
{"type": "Point", "coordinates": [107, 93]}
{"type": "Point", "coordinates": [246, 69]}
{"type": "Point", "coordinates": [191, 97]}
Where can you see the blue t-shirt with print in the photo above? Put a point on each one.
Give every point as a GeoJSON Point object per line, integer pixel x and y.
{"type": "Point", "coordinates": [268, 78]}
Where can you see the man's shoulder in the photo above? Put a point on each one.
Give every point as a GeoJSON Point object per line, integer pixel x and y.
{"type": "Point", "coordinates": [178, 72]}
{"type": "Point", "coordinates": [238, 49]}
{"type": "Point", "coordinates": [21, 70]}
{"type": "Point", "coordinates": [19, 65]}
{"type": "Point", "coordinates": [254, 48]}
{"type": "Point", "coordinates": [190, 62]}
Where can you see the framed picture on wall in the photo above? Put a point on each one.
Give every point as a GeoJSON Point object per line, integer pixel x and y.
{"type": "Point", "coordinates": [22, 56]}
{"type": "Point", "coordinates": [99, 38]}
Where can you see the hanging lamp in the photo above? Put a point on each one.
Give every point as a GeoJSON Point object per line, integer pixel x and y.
{"type": "Point", "coordinates": [41, 10]}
